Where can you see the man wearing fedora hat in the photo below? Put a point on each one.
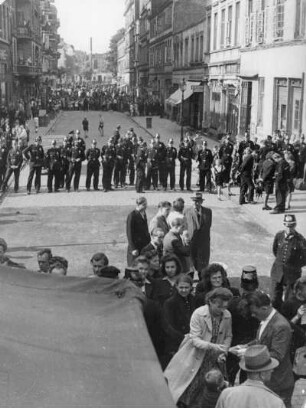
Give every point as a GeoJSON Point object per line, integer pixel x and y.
{"type": "Point", "coordinates": [289, 249]}
{"type": "Point", "coordinates": [199, 220]}
{"type": "Point", "coordinates": [259, 365]}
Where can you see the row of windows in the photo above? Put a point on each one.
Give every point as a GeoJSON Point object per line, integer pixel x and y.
{"type": "Point", "coordinates": [188, 51]}
{"type": "Point", "coordinates": [161, 54]}
{"type": "Point", "coordinates": [226, 33]}
{"type": "Point", "coordinates": [161, 22]}
{"type": "Point", "coordinates": [4, 22]}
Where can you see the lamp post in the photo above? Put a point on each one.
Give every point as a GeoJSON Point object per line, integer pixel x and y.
{"type": "Point", "coordinates": [183, 89]}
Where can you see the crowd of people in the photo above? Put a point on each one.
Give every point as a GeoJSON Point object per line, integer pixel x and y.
{"type": "Point", "coordinates": [209, 335]}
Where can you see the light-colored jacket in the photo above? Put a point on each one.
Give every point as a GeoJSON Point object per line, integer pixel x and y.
{"type": "Point", "coordinates": [249, 394]}
{"type": "Point", "coordinates": [186, 362]}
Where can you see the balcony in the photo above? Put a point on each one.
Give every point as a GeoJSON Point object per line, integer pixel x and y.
{"type": "Point", "coordinates": [27, 33]}
{"type": "Point", "coordinates": [28, 70]}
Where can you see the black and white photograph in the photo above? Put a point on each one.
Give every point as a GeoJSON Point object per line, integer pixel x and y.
{"type": "Point", "coordinates": [153, 203]}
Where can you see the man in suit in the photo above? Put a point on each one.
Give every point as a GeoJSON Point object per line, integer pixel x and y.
{"type": "Point", "coordinates": [160, 219]}
{"type": "Point", "coordinates": [289, 249]}
{"type": "Point", "coordinates": [199, 220]}
{"type": "Point", "coordinates": [282, 173]}
{"type": "Point", "coordinates": [259, 366]}
{"type": "Point", "coordinates": [137, 230]}
{"type": "Point", "coordinates": [275, 333]}
{"type": "Point", "coordinates": [246, 177]}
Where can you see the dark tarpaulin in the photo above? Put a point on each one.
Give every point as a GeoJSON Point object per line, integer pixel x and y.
{"type": "Point", "coordinates": [73, 342]}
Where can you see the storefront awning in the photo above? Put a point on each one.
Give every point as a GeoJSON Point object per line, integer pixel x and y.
{"type": "Point", "coordinates": [248, 75]}
{"type": "Point", "coordinates": [176, 97]}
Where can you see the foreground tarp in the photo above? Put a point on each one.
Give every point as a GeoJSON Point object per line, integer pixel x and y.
{"type": "Point", "coordinates": [75, 342]}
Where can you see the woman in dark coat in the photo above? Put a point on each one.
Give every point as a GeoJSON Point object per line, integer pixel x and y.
{"type": "Point", "coordinates": [212, 277]}
{"type": "Point", "coordinates": [164, 288]}
{"type": "Point", "coordinates": [177, 311]}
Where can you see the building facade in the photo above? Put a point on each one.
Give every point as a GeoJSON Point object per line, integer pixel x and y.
{"type": "Point", "coordinates": [161, 49]}
{"type": "Point", "coordinates": [145, 7]}
{"type": "Point", "coordinates": [273, 67]}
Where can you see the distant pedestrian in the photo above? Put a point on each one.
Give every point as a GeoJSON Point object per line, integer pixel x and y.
{"type": "Point", "coordinates": [101, 125]}
{"type": "Point", "coordinates": [85, 124]}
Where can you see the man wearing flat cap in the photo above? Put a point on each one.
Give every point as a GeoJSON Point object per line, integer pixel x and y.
{"type": "Point", "coordinates": [199, 219]}
{"type": "Point", "coordinates": [289, 249]}
{"type": "Point", "coordinates": [259, 366]}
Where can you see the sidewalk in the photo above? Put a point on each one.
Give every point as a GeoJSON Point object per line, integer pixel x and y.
{"type": "Point", "coordinates": [265, 220]}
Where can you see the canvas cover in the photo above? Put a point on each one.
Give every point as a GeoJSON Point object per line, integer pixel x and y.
{"type": "Point", "coordinates": [75, 342]}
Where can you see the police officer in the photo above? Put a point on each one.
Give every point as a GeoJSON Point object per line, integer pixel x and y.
{"type": "Point", "coordinates": [120, 164]}
{"type": "Point", "coordinates": [171, 155]}
{"type": "Point", "coordinates": [36, 157]}
{"type": "Point", "coordinates": [53, 163]}
{"type": "Point", "coordinates": [247, 142]}
{"type": "Point", "coordinates": [80, 140]}
{"type": "Point", "coordinates": [129, 157]}
{"type": "Point", "coordinates": [152, 166]}
{"type": "Point", "coordinates": [205, 159]}
{"type": "Point", "coordinates": [132, 161]}
{"type": "Point", "coordinates": [3, 159]}
{"type": "Point", "coordinates": [141, 160]}
{"type": "Point", "coordinates": [93, 166]}
{"type": "Point", "coordinates": [108, 154]}
{"type": "Point", "coordinates": [161, 161]}
{"type": "Point", "coordinates": [282, 173]}
{"type": "Point", "coordinates": [75, 166]}
{"type": "Point", "coordinates": [14, 162]}
{"type": "Point", "coordinates": [65, 152]}
{"type": "Point", "coordinates": [185, 155]}
{"type": "Point", "coordinates": [289, 249]}
{"type": "Point", "coordinates": [116, 135]}
{"type": "Point", "coordinates": [225, 152]}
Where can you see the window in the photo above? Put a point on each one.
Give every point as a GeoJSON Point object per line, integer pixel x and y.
{"type": "Point", "coordinates": [237, 24]}
{"type": "Point", "coordinates": [222, 28]}
{"type": "Point", "coordinates": [197, 49]}
{"type": "Point", "coordinates": [201, 47]}
{"type": "Point", "coordinates": [229, 26]}
{"type": "Point", "coordinates": [186, 51]}
{"type": "Point", "coordinates": [192, 50]}
{"type": "Point", "coordinates": [300, 19]}
{"type": "Point", "coordinates": [215, 31]}
{"type": "Point", "coordinates": [261, 95]}
{"type": "Point", "coordinates": [260, 27]}
{"type": "Point", "coordinates": [278, 20]}
{"type": "Point", "coordinates": [296, 115]}
{"type": "Point", "coordinates": [250, 7]}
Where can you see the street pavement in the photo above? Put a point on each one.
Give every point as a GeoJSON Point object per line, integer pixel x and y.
{"type": "Point", "coordinates": [76, 225]}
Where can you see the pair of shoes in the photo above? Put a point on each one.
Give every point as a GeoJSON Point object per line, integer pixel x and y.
{"type": "Point", "coordinates": [88, 189]}
{"type": "Point", "coordinates": [266, 207]}
{"type": "Point", "coordinates": [97, 189]}
{"type": "Point", "coordinates": [243, 202]}
{"type": "Point", "coordinates": [252, 202]}
{"type": "Point", "coordinates": [189, 189]}
{"type": "Point", "coordinates": [28, 192]}
{"type": "Point", "coordinates": [67, 190]}
{"type": "Point", "coordinates": [37, 191]}
{"type": "Point", "coordinates": [105, 190]}
{"type": "Point", "coordinates": [56, 191]}
{"type": "Point", "coordinates": [276, 212]}
{"type": "Point", "coordinates": [49, 191]}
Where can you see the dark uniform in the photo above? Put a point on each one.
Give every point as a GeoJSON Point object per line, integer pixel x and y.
{"type": "Point", "coordinates": [205, 159]}
{"type": "Point", "coordinates": [132, 161]}
{"type": "Point", "coordinates": [108, 155]}
{"type": "Point", "coordinates": [3, 160]}
{"type": "Point", "coordinates": [171, 155]}
{"type": "Point", "coordinates": [152, 167]}
{"type": "Point", "coordinates": [75, 166]}
{"type": "Point", "coordinates": [282, 173]}
{"type": "Point", "coordinates": [53, 163]}
{"type": "Point", "coordinates": [162, 164]}
{"type": "Point", "coordinates": [65, 153]}
{"type": "Point", "coordinates": [14, 162]}
{"type": "Point", "coordinates": [290, 256]}
{"type": "Point", "coordinates": [120, 165]}
{"type": "Point", "coordinates": [246, 179]}
{"type": "Point", "coordinates": [226, 151]}
{"type": "Point", "coordinates": [35, 154]}
{"type": "Point", "coordinates": [185, 155]}
{"type": "Point", "coordinates": [141, 160]}
{"type": "Point", "coordinates": [93, 167]}
{"type": "Point", "coordinates": [129, 160]}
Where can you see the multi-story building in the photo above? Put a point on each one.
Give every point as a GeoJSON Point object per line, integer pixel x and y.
{"type": "Point", "coordinates": [50, 42]}
{"type": "Point", "coordinates": [189, 61]}
{"type": "Point", "coordinates": [123, 78]}
{"type": "Point", "coordinates": [161, 53]}
{"type": "Point", "coordinates": [273, 66]}
{"type": "Point", "coordinates": [131, 41]}
{"type": "Point", "coordinates": [143, 47]}
{"type": "Point", "coordinates": [222, 112]}
{"type": "Point", "coordinates": [100, 74]}
{"type": "Point", "coordinates": [7, 41]}
{"type": "Point", "coordinates": [27, 65]}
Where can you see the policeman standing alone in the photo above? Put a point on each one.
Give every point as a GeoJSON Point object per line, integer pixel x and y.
{"type": "Point", "coordinates": [171, 155]}
{"type": "Point", "coordinates": [108, 154]}
{"type": "Point", "coordinates": [36, 157]}
{"type": "Point", "coordinates": [75, 165]}
{"type": "Point", "coordinates": [53, 163]}
{"type": "Point", "coordinates": [185, 156]}
{"type": "Point", "coordinates": [65, 152]}
{"type": "Point", "coordinates": [93, 166]}
{"type": "Point", "coordinates": [14, 162]}
{"type": "Point", "coordinates": [289, 249]}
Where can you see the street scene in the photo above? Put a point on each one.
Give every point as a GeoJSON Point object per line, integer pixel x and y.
{"type": "Point", "coordinates": [153, 204]}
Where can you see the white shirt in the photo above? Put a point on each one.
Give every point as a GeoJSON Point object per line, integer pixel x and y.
{"type": "Point", "coordinates": [265, 322]}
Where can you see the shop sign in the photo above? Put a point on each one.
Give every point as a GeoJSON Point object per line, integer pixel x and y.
{"type": "Point", "coordinates": [197, 88]}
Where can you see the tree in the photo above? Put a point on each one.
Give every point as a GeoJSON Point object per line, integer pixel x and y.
{"type": "Point", "coordinates": [112, 55]}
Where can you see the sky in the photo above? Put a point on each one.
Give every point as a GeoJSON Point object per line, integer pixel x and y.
{"type": "Point", "coordinates": [82, 19]}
